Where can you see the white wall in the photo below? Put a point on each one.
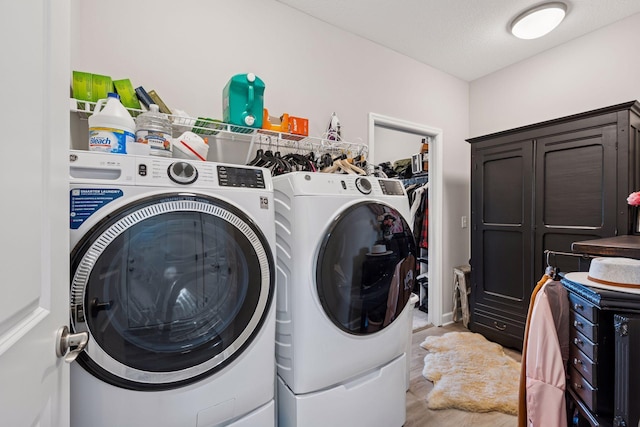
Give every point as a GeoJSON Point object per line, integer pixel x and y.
{"type": "Point", "coordinates": [590, 72]}
{"type": "Point", "coordinates": [188, 50]}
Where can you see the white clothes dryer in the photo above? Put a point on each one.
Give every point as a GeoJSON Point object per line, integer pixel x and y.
{"type": "Point", "coordinates": [346, 262]}
{"type": "Point", "coordinates": [173, 278]}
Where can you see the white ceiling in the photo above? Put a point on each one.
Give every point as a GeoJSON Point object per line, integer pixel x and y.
{"type": "Point", "coordinates": [465, 38]}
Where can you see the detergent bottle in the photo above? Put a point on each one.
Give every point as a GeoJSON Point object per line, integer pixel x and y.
{"type": "Point", "coordinates": [243, 100]}
{"type": "Point", "coordinates": [111, 127]}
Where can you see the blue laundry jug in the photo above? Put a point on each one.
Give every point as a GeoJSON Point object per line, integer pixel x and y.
{"type": "Point", "coordinates": [243, 100]}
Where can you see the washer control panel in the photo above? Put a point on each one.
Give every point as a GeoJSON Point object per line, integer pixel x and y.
{"type": "Point", "coordinates": [229, 176]}
{"type": "Point", "coordinates": [128, 170]}
{"type": "Point", "coordinates": [182, 173]}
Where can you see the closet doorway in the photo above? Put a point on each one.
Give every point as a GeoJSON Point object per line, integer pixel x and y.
{"type": "Point", "coordinates": [404, 138]}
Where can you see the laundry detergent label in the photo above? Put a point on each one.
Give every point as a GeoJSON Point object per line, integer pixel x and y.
{"type": "Point", "coordinates": [84, 202]}
{"type": "Point", "coordinates": [109, 140]}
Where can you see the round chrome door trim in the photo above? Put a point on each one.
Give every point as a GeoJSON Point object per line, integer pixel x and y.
{"type": "Point", "coordinates": [327, 296]}
{"type": "Point", "coordinates": [176, 203]}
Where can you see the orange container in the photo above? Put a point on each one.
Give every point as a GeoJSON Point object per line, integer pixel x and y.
{"type": "Point", "coordinates": [269, 122]}
{"type": "Point", "coordinates": [298, 126]}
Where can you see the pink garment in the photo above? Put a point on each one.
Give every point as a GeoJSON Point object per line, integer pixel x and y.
{"type": "Point", "coordinates": [547, 352]}
{"type": "Point", "coordinates": [400, 288]}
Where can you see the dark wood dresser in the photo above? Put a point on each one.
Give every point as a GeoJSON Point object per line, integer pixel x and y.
{"type": "Point", "coordinates": [597, 393]}
{"type": "Point", "coordinates": [543, 187]}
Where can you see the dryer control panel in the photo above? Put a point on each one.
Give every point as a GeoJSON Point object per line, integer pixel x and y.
{"type": "Point", "coordinates": [310, 184]}
{"type": "Point", "coordinates": [363, 185]}
{"type": "Point", "coordinates": [391, 187]}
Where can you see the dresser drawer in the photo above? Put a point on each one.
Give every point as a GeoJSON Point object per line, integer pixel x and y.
{"type": "Point", "coordinates": [583, 389]}
{"type": "Point", "coordinates": [583, 325]}
{"type": "Point", "coordinates": [505, 331]}
{"type": "Point", "coordinates": [583, 307]}
{"type": "Point", "coordinates": [598, 402]}
{"type": "Point", "coordinates": [585, 366]}
{"type": "Point", "coordinates": [581, 415]}
{"type": "Point", "coordinates": [584, 344]}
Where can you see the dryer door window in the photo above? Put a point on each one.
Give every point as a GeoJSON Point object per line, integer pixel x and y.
{"type": "Point", "coordinates": [366, 268]}
{"type": "Point", "coordinates": [170, 289]}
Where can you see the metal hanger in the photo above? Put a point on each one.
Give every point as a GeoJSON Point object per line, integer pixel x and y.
{"type": "Point", "coordinates": [550, 270]}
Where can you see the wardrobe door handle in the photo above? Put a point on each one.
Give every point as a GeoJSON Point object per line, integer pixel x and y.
{"type": "Point", "coordinates": [500, 327]}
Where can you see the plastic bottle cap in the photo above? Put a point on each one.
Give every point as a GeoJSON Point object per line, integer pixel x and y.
{"type": "Point", "coordinates": [113, 95]}
{"type": "Point", "coordinates": [249, 120]}
{"type": "Point", "coordinates": [154, 108]}
{"type": "Point", "coordinates": [251, 77]}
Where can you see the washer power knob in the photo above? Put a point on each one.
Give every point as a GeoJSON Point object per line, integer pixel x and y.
{"type": "Point", "coordinates": [363, 185]}
{"type": "Point", "coordinates": [182, 173]}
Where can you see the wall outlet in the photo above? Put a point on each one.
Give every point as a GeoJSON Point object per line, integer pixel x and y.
{"type": "Point", "coordinates": [463, 221]}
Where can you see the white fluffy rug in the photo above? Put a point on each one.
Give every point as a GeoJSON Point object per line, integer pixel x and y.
{"type": "Point", "coordinates": [470, 373]}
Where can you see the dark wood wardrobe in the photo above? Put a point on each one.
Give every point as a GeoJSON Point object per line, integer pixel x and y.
{"type": "Point", "coordinates": [542, 187]}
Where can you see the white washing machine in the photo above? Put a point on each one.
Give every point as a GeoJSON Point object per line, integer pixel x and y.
{"type": "Point", "coordinates": [173, 277]}
{"type": "Point", "coordinates": [346, 263]}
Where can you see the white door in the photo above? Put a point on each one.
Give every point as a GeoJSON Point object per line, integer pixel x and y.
{"type": "Point", "coordinates": [34, 242]}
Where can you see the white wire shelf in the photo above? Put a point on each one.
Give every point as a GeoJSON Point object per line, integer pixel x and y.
{"type": "Point", "coordinates": [277, 141]}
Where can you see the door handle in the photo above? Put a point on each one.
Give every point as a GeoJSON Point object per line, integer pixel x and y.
{"type": "Point", "coordinates": [500, 327]}
{"type": "Point", "coordinates": [70, 345]}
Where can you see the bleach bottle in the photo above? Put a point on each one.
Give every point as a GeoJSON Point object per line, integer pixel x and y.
{"type": "Point", "coordinates": [111, 127]}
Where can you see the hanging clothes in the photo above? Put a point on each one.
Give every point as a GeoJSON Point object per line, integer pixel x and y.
{"type": "Point", "coordinates": [416, 201]}
{"type": "Point", "coordinates": [544, 357]}
{"type": "Point", "coordinates": [522, 391]}
{"type": "Point", "coordinates": [423, 242]}
{"type": "Point", "coordinates": [419, 201]}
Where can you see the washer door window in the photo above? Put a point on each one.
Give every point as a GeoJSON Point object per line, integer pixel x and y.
{"type": "Point", "coordinates": [366, 268]}
{"type": "Point", "coordinates": [171, 289]}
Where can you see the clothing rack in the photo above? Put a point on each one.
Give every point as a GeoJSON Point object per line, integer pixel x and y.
{"type": "Point", "coordinates": [304, 145]}
{"type": "Point", "coordinates": [548, 252]}
{"type": "Point", "coordinates": [552, 268]}
{"type": "Point", "coordinates": [417, 179]}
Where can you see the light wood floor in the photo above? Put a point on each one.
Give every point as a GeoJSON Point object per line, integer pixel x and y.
{"type": "Point", "coordinates": [418, 415]}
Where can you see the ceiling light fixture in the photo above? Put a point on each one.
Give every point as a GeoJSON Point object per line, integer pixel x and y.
{"type": "Point", "coordinates": [538, 21]}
